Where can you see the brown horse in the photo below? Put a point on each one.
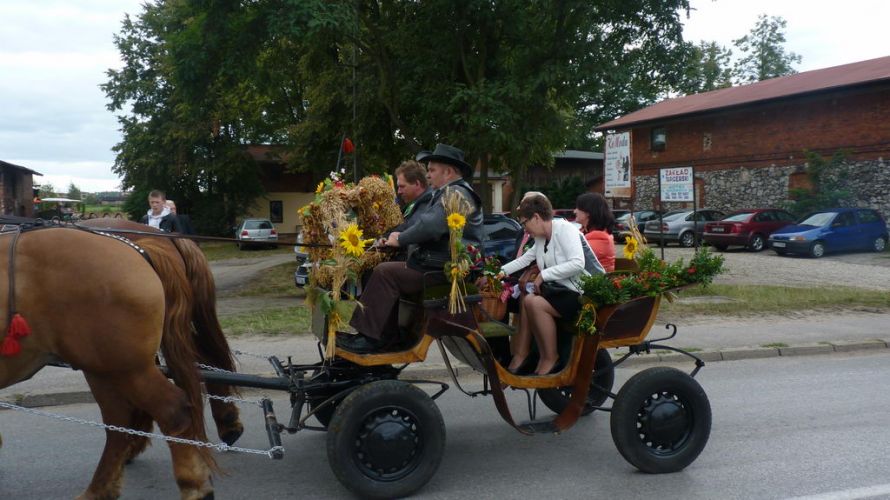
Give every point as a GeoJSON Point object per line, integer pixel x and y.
{"type": "Point", "coordinates": [212, 346]}
{"type": "Point", "coordinates": [97, 304]}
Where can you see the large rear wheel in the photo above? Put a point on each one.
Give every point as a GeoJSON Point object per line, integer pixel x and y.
{"type": "Point", "coordinates": [661, 420]}
{"type": "Point", "coordinates": [600, 386]}
{"type": "Point", "coordinates": [386, 439]}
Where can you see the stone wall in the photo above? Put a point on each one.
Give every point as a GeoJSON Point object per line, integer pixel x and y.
{"type": "Point", "coordinates": [743, 187]}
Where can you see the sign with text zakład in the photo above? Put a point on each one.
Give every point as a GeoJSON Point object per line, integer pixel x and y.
{"type": "Point", "coordinates": [677, 184]}
{"type": "Point", "coordinates": [618, 165]}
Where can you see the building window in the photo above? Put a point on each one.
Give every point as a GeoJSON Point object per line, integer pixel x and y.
{"type": "Point", "coordinates": [659, 138]}
{"type": "Point", "coordinates": [276, 211]}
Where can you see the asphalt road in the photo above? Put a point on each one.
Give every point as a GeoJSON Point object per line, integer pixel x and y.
{"type": "Point", "coordinates": [782, 428]}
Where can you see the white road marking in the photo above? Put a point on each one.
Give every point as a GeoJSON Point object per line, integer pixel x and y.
{"type": "Point", "coordinates": [851, 494]}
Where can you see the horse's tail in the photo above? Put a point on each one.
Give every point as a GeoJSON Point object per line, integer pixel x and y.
{"type": "Point", "coordinates": [210, 339]}
{"type": "Point", "coordinates": [177, 343]}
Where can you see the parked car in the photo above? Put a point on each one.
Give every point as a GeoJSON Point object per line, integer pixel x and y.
{"type": "Point", "coordinates": [501, 236]}
{"type": "Point", "coordinates": [682, 227]}
{"type": "Point", "coordinates": [255, 233]}
{"type": "Point", "coordinates": [832, 230]}
{"type": "Point", "coordinates": [566, 213]}
{"type": "Point", "coordinates": [622, 223]}
{"type": "Point", "coordinates": [746, 228]}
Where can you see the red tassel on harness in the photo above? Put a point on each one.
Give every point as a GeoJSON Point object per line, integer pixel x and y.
{"type": "Point", "coordinates": [18, 328]}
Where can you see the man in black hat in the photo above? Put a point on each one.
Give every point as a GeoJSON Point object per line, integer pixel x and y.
{"type": "Point", "coordinates": [446, 170]}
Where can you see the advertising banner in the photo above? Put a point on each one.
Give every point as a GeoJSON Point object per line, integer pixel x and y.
{"type": "Point", "coordinates": [677, 184]}
{"type": "Point", "coordinates": [618, 165]}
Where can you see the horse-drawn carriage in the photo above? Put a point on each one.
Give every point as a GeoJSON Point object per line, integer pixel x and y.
{"type": "Point", "coordinates": [386, 436]}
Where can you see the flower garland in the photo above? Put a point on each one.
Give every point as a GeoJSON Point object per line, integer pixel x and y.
{"type": "Point", "coordinates": [654, 277]}
{"type": "Point", "coordinates": [456, 209]}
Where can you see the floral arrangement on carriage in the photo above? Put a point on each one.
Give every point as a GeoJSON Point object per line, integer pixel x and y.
{"type": "Point", "coordinates": [338, 226]}
{"type": "Point", "coordinates": [653, 278]}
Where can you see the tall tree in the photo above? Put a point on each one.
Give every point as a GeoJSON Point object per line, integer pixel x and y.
{"type": "Point", "coordinates": [74, 192]}
{"type": "Point", "coordinates": [763, 53]}
{"type": "Point", "coordinates": [708, 68]}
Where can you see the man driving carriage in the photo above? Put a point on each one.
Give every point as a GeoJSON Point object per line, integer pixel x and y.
{"type": "Point", "coordinates": [374, 319]}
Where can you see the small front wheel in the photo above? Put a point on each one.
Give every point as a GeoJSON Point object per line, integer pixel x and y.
{"type": "Point", "coordinates": [757, 243]}
{"type": "Point", "coordinates": [661, 420]}
{"type": "Point", "coordinates": [386, 439]}
{"type": "Point", "coordinates": [817, 249]}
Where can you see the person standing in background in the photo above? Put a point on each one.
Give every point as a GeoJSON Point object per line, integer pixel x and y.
{"type": "Point", "coordinates": [159, 215]}
{"type": "Point", "coordinates": [185, 222]}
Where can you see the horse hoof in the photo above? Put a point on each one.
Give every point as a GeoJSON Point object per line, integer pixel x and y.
{"type": "Point", "coordinates": [231, 436]}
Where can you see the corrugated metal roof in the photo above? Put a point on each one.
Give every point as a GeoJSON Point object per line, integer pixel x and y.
{"type": "Point", "coordinates": [847, 75]}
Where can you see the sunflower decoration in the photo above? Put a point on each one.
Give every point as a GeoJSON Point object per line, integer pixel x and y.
{"type": "Point", "coordinates": [630, 247]}
{"type": "Point", "coordinates": [351, 241]}
{"type": "Point", "coordinates": [456, 208]}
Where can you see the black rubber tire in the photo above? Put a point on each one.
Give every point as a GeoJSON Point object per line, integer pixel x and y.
{"type": "Point", "coordinates": [757, 243]}
{"type": "Point", "coordinates": [407, 416]}
{"type": "Point", "coordinates": [687, 239]}
{"type": "Point", "coordinates": [557, 399]}
{"type": "Point", "coordinates": [325, 414]}
{"type": "Point", "coordinates": [721, 248]}
{"type": "Point", "coordinates": [879, 244]}
{"type": "Point", "coordinates": [817, 249]}
{"type": "Point", "coordinates": [685, 427]}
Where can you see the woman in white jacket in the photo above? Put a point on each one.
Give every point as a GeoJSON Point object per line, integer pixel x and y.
{"type": "Point", "coordinates": [559, 254]}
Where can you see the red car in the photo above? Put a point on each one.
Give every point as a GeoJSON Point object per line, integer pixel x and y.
{"type": "Point", "coordinates": [747, 228]}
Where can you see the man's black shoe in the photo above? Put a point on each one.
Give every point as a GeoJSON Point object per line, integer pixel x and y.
{"type": "Point", "coordinates": [359, 343]}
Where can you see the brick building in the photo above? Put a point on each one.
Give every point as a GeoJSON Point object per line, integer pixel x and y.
{"type": "Point", "coordinates": [747, 143]}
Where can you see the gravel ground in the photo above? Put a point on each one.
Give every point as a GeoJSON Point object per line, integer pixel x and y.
{"type": "Point", "coordinates": [860, 270]}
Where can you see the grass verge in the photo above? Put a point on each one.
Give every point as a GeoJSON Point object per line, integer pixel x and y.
{"type": "Point", "coordinates": [279, 321]}
{"type": "Point", "coordinates": [222, 251]}
{"type": "Point", "coordinates": [759, 299]}
{"type": "Point", "coordinates": [277, 281]}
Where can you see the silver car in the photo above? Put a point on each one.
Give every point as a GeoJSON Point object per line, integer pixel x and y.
{"type": "Point", "coordinates": [255, 232]}
{"type": "Point", "coordinates": [683, 227]}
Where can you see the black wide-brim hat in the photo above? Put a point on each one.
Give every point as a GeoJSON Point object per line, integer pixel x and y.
{"type": "Point", "coordinates": [447, 154]}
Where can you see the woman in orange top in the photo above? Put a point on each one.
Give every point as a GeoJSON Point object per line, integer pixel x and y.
{"type": "Point", "coordinates": [596, 219]}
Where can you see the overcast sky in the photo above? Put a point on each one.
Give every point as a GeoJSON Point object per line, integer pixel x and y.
{"type": "Point", "coordinates": [54, 54]}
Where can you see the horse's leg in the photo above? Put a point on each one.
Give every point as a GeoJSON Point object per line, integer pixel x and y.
{"type": "Point", "coordinates": [140, 421]}
{"type": "Point", "coordinates": [150, 391]}
{"type": "Point", "coordinates": [106, 482]}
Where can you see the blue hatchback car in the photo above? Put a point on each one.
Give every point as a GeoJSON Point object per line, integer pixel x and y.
{"type": "Point", "coordinates": [832, 230]}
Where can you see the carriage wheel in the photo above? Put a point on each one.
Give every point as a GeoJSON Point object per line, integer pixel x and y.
{"type": "Point", "coordinates": [386, 439]}
{"type": "Point", "coordinates": [661, 420]}
{"type": "Point", "coordinates": [557, 399]}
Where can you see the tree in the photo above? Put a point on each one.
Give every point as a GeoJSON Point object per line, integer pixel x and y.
{"type": "Point", "coordinates": [708, 68]}
{"type": "Point", "coordinates": [508, 81]}
{"type": "Point", "coordinates": [764, 56]}
{"type": "Point", "coordinates": [827, 186]}
{"type": "Point", "coordinates": [47, 190]}
{"type": "Point", "coordinates": [74, 192]}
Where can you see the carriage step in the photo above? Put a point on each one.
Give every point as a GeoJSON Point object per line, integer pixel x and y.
{"type": "Point", "coordinates": [273, 429]}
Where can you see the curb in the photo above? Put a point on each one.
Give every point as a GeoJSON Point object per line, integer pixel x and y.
{"type": "Point", "coordinates": [439, 371]}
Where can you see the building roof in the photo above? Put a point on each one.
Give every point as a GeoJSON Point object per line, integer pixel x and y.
{"type": "Point", "coordinates": [835, 77]}
{"type": "Point", "coordinates": [5, 164]}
